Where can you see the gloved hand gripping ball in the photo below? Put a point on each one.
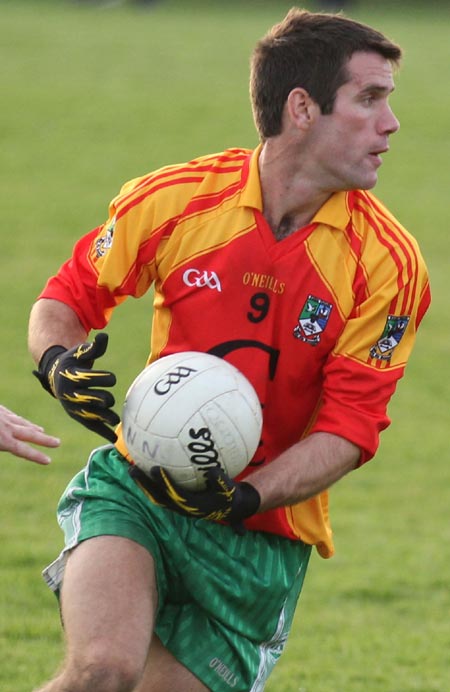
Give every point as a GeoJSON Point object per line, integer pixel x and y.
{"type": "Point", "coordinates": [68, 376]}
{"type": "Point", "coordinates": [223, 500]}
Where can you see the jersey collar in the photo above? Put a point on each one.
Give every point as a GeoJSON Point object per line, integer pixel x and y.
{"type": "Point", "coordinates": [335, 212]}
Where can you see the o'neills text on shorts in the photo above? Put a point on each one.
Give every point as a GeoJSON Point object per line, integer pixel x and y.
{"type": "Point", "coordinates": [223, 672]}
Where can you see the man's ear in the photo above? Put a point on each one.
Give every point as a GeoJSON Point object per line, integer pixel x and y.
{"type": "Point", "coordinates": [301, 109]}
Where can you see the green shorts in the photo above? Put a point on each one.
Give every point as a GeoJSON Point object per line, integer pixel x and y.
{"type": "Point", "coordinates": [226, 602]}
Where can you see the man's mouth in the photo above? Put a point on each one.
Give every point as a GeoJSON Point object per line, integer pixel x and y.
{"type": "Point", "coordinates": [376, 155]}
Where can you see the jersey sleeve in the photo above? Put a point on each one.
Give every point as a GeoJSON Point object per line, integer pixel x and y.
{"type": "Point", "coordinates": [392, 294]}
{"type": "Point", "coordinates": [117, 259]}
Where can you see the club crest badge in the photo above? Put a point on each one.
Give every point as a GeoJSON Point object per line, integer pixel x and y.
{"type": "Point", "coordinates": [313, 320]}
{"type": "Point", "coordinates": [104, 242]}
{"type": "Point", "coordinates": [392, 334]}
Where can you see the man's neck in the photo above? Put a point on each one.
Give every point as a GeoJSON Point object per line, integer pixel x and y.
{"type": "Point", "coordinates": [290, 197]}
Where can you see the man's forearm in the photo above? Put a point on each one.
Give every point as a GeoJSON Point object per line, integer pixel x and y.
{"type": "Point", "coordinates": [304, 470]}
{"type": "Point", "coordinates": [53, 322]}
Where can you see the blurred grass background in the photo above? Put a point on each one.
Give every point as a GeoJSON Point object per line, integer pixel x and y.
{"type": "Point", "coordinates": [94, 94]}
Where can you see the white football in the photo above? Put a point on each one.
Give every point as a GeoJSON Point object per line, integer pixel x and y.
{"type": "Point", "coordinates": [188, 412]}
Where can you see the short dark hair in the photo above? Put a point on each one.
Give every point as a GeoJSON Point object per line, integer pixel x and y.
{"type": "Point", "coordinates": [308, 50]}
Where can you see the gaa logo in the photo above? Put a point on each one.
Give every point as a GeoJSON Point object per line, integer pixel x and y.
{"type": "Point", "coordinates": [200, 279]}
{"type": "Point", "coordinates": [170, 379]}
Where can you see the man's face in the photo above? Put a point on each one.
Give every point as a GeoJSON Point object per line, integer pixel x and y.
{"type": "Point", "coordinates": [349, 141]}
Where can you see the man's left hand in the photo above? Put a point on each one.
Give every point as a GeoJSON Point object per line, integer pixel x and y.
{"type": "Point", "coordinates": [223, 499]}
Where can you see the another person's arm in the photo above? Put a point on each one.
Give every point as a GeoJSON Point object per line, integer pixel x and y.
{"type": "Point", "coordinates": [16, 433]}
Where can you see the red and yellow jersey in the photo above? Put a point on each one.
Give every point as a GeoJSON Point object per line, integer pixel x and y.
{"type": "Point", "coordinates": [322, 323]}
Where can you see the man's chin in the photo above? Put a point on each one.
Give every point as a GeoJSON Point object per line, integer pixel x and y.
{"type": "Point", "coordinates": [366, 183]}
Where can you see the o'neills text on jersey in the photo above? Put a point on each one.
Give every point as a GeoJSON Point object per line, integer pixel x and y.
{"type": "Point", "coordinates": [263, 281]}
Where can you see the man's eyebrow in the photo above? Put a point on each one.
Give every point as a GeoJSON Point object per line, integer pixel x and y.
{"type": "Point", "coordinates": [377, 90]}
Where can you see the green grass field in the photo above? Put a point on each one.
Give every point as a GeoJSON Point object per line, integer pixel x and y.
{"type": "Point", "coordinates": [92, 96]}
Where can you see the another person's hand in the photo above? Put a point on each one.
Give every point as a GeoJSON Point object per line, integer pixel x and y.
{"type": "Point", "coordinates": [68, 376]}
{"type": "Point", "coordinates": [16, 432]}
{"type": "Point", "coordinates": [223, 499]}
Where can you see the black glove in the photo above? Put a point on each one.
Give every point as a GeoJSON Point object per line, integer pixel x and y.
{"type": "Point", "coordinates": [68, 376]}
{"type": "Point", "coordinates": [223, 499]}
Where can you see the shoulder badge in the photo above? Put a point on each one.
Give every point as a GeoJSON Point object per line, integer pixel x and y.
{"type": "Point", "coordinates": [104, 242]}
{"type": "Point", "coordinates": [392, 334]}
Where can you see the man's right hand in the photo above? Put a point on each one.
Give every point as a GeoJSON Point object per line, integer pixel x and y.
{"type": "Point", "coordinates": [68, 376]}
